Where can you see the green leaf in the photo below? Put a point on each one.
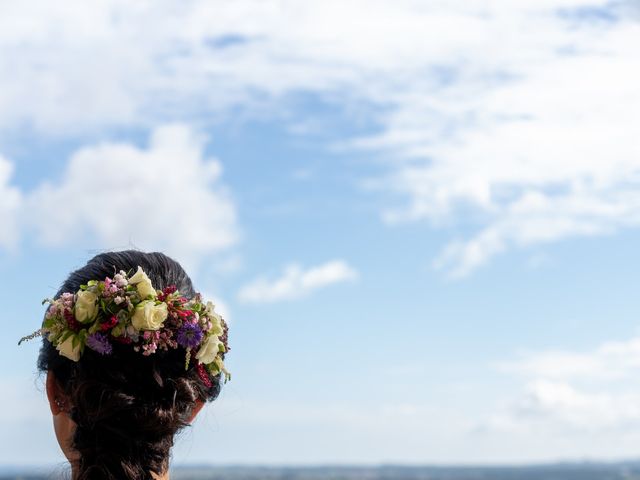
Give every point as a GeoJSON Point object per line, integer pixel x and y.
{"type": "Point", "coordinates": [65, 334]}
{"type": "Point", "coordinates": [117, 331]}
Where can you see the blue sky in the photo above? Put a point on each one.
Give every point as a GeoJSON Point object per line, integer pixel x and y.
{"type": "Point", "coordinates": [420, 218]}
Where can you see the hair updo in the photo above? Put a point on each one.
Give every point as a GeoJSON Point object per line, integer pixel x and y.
{"type": "Point", "coordinates": [127, 407]}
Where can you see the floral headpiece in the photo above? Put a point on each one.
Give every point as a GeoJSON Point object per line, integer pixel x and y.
{"type": "Point", "coordinates": [128, 310]}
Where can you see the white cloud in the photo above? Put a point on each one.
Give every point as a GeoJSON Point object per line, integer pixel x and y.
{"type": "Point", "coordinates": [521, 116]}
{"type": "Point", "coordinates": [611, 360]}
{"type": "Point", "coordinates": [296, 282]}
{"type": "Point", "coordinates": [548, 153]}
{"type": "Point", "coordinates": [550, 410]}
{"type": "Point", "coordinates": [574, 392]}
{"type": "Point", "coordinates": [164, 197]}
{"type": "Point", "coordinates": [565, 406]}
{"type": "Point", "coordinates": [9, 206]}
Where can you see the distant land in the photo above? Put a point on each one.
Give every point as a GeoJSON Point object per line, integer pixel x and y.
{"type": "Point", "coordinates": [560, 471]}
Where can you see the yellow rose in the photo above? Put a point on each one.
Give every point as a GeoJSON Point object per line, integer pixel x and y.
{"type": "Point", "coordinates": [67, 349]}
{"type": "Point", "coordinates": [86, 307]}
{"type": "Point", "coordinates": [149, 316]}
{"type": "Point", "coordinates": [143, 284]}
{"type": "Point", "coordinates": [209, 349]}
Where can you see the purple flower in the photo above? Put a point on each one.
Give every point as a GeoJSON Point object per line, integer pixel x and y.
{"type": "Point", "coordinates": [100, 343]}
{"type": "Point", "coordinates": [189, 335]}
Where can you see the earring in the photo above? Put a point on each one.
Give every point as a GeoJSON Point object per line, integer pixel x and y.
{"type": "Point", "coordinates": [60, 404]}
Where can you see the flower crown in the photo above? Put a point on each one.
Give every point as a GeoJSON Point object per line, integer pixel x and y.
{"type": "Point", "coordinates": [130, 311]}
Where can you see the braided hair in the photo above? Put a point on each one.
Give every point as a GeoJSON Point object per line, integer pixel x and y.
{"type": "Point", "coordinates": [127, 407]}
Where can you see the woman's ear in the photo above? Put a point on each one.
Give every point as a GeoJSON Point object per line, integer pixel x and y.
{"type": "Point", "coordinates": [196, 409]}
{"type": "Point", "coordinates": [63, 426]}
{"type": "Point", "coordinates": [57, 402]}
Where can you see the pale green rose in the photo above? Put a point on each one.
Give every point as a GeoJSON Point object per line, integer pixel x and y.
{"type": "Point", "coordinates": [216, 324]}
{"type": "Point", "coordinates": [209, 349]}
{"type": "Point", "coordinates": [138, 276]}
{"type": "Point", "coordinates": [146, 290]}
{"type": "Point", "coordinates": [214, 318]}
{"type": "Point", "coordinates": [209, 307]}
{"type": "Point", "coordinates": [86, 306]}
{"type": "Point", "coordinates": [67, 349]}
{"type": "Point", "coordinates": [143, 284]}
{"type": "Point", "coordinates": [149, 316]}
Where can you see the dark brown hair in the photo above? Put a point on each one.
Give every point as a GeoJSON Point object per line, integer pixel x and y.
{"type": "Point", "coordinates": [127, 407]}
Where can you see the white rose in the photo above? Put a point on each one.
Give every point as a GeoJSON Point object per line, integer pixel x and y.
{"type": "Point", "coordinates": [209, 349]}
{"type": "Point", "coordinates": [67, 349]}
{"type": "Point", "coordinates": [143, 284]}
{"type": "Point", "coordinates": [149, 316]}
{"type": "Point", "coordinates": [86, 307]}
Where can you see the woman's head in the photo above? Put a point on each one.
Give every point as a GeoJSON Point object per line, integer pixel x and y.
{"type": "Point", "coordinates": [116, 414]}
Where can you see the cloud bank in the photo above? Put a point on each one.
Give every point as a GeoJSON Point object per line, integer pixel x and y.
{"type": "Point", "coordinates": [517, 121]}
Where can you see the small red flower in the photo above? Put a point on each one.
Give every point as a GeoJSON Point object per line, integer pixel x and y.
{"type": "Point", "coordinates": [162, 296]}
{"type": "Point", "coordinates": [71, 320]}
{"type": "Point", "coordinates": [184, 313]}
{"type": "Point", "coordinates": [204, 375]}
{"type": "Point", "coordinates": [112, 322]}
{"type": "Point", "coordinates": [123, 340]}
